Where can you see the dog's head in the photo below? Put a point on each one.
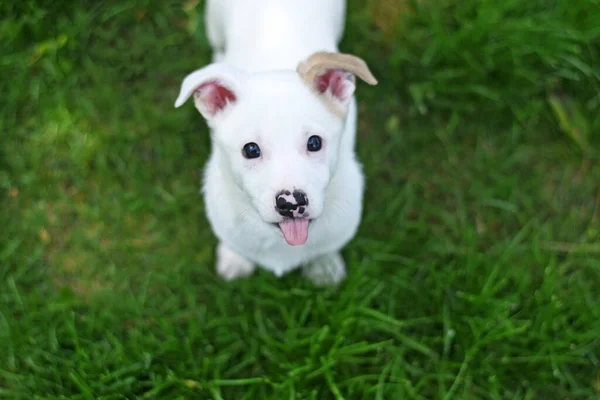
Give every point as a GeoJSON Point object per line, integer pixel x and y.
{"type": "Point", "coordinates": [279, 133]}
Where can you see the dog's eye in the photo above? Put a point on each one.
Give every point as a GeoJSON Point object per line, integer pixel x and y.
{"type": "Point", "coordinates": [314, 143]}
{"type": "Point", "coordinates": [251, 150]}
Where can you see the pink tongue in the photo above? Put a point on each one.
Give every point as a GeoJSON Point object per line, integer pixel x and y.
{"type": "Point", "coordinates": [295, 231]}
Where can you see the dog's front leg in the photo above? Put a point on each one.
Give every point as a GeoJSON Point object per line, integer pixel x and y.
{"type": "Point", "coordinates": [326, 270]}
{"type": "Point", "coordinates": [230, 265]}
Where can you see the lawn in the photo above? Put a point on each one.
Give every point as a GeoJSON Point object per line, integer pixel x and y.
{"type": "Point", "coordinates": [475, 273]}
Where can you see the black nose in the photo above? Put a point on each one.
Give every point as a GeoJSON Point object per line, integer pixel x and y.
{"type": "Point", "coordinates": [300, 198]}
{"type": "Point", "coordinates": [287, 203]}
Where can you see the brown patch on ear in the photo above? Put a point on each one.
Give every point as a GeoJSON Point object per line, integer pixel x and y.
{"type": "Point", "coordinates": [320, 62]}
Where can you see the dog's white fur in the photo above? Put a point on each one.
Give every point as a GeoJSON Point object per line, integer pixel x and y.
{"type": "Point", "coordinates": [258, 45]}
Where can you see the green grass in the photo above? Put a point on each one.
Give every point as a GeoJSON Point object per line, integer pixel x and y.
{"type": "Point", "coordinates": [475, 273]}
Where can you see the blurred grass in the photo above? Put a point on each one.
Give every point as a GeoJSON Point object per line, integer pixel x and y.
{"type": "Point", "coordinates": [476, 271]}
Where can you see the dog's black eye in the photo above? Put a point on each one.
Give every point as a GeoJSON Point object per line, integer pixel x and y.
{"type": "Point", "coordinates": [314, 143]}
{"type": "Point", "coordinates": [251, 150]}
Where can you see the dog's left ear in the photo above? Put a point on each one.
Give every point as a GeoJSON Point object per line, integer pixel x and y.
{"type": "Point", "coordinates": [333, 75]}
{"type": "Point", "coordinates": [215, 87]}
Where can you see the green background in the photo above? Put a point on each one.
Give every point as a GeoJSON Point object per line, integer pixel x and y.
{"type": "Point", "coordinates": [476, 270]}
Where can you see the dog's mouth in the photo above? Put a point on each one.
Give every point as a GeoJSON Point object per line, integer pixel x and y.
{"type": "Point", "coordinates": [295, 230]}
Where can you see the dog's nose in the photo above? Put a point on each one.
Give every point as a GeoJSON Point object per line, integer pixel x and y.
{"type": "Point", "coordinates": [291, 204]}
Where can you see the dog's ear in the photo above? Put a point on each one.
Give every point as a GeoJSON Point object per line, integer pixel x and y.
{"type": "Point", "coordinates": [215, 87]}
{"type": "Point", "coordinates": [333, 75]}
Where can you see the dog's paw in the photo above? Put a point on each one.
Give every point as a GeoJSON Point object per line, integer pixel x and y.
{"type": "Point", "coordinates": [231, 265]}
{"type": "Point", "coordinates": [328, 270]}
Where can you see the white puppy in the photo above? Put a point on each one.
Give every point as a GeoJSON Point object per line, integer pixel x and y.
{"type": "Point", "coordinates": [283, 188]}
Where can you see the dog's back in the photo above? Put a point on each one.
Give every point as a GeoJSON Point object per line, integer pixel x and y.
{"type": "Point", "coordinates": [259, 35]}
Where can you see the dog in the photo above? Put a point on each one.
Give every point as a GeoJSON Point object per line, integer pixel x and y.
{"type": "Point", "coordinates": [283, 188]}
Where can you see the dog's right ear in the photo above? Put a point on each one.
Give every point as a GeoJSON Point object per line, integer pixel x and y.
{"type": "Point", "coordinates": [215, 87]}
{"type": "Point", "coordinates": [332, 77]}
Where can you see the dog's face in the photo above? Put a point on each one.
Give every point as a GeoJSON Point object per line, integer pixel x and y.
{"type": "Point", "coordinates": [279, 133]}
{"type": "Point", "coordinates": [282, 147]}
